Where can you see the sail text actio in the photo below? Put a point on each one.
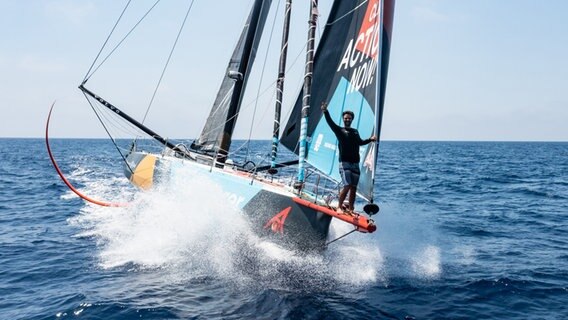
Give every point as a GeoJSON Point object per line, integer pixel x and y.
{"type": "Point", "coordinates": [360, 56]}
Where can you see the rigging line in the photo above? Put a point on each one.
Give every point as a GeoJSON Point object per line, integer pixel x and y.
{"type": "Point", "coordinates": [110, 136]}
{"type": "Point", "coordinates": [112, 122]}
{"type": "Point", "coordinates": [300, 53]}
{"type": "Point", "coordinates": [118, 123]}
{"type": "Point", "coordinates": [100, 116]}
{"type": "Point", "coordinates": [343, 236]}
{"type": "Point", "coordinates": [348, 13]}
{"type": "Point", "coordinates": [262, 76]}
{"type": "Point", "coordinates": [243, 107]}
{"type": "Point", "coordinates": [298, 89]}
{"type": "Point", "coordinates": [223, 101]}
{"type": "Point", "coordinates": [106, 41]}
{"type": "Point", "coordinates": [121, 41]}
{"type": "Point", "coordinates": [270, 86]}
{"type": "Point", "coordinates": [110, 126]}
{"type": "Point", "coordinates": [255, 125]}
{"type": "Point", "coordinates": [272, 101]}
{"type": "Point", "coordinates": [168, 60]}
{"type": "Point", "coordinates": [238, 113]}
{"type": "Point", "coordinates": [103, 118]}
{"type": "Point", "coordinates": [123, 125]}
{"type": "Point", "coordinates": [300, 80]}
{"type": "Point", "coordinates": [233, 152]}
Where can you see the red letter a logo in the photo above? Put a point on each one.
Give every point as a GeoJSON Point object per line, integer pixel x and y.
{"type": "Point", "coordinates": [277, 222]}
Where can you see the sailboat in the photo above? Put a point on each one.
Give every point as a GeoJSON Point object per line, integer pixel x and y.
{"type": "Point", "coordinates": [348, 71]}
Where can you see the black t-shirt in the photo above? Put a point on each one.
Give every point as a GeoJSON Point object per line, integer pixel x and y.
{"type": "Point", "coordinates": [349, 141]}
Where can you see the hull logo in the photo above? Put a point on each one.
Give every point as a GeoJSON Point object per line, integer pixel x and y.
{"type": "Point", "coordinates": [276, 223]}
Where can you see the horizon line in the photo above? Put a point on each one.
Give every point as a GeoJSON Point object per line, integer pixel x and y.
{"type": "Point", "coordinates": [385, 140]}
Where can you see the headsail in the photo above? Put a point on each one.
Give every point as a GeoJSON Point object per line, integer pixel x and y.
{"type": "Point", "coordinates": [220, 124]}
{"type": "Point", "coordinates": [356, 38]}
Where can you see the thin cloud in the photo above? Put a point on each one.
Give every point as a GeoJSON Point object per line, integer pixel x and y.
{"type": "Point", "coordinates": [72, 11]}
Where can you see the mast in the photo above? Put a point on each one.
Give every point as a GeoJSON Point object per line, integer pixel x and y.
{"type": "Point", "coordinates": [240, 80]}
{"type": "Point", "coordinates": [386, 12]}
{"type": "Point", "coordinates": [280, 86]}
{"type": "Point", "coordinates": [307, 92]}
{"type": "Point", "coordinates": [379, 97]}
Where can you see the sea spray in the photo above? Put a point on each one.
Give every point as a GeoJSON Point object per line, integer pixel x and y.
{"type": "Point", "coordinates": [187, 225]}
{"type": "Point", "coordinates": [409, 242]}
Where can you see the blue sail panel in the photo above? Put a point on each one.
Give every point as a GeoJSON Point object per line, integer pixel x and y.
{"type": "Point", "coordinates": [323, 152]}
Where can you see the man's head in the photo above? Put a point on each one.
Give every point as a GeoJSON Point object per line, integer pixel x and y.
{"type": "Point", "coordinates": [348, 118]}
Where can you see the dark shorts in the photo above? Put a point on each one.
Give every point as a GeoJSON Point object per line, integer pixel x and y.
{"type": "Point", "coordinates": [349, 173]}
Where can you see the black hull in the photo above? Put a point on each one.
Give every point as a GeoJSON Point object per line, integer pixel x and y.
{"type": "Point", "coordinates": [286, 222]}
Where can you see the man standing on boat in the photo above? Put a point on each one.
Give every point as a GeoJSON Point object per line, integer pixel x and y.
{"type": "Point", "coordinates": [348, 141]}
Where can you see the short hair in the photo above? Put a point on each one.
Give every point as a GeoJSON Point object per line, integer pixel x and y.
{"type": "Point", "coordinates": [349, 113]}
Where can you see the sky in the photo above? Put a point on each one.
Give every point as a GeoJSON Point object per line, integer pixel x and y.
{"type": "Point", "coordinates": [460, 70]}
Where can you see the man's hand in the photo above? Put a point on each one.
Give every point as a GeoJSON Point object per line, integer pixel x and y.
{"type": "Point", "coordinates": [323, 106]}
{"type": "Point", "coordinates": [373, 138]}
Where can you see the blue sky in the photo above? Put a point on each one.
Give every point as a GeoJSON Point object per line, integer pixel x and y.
{"type": "Point", "coordinates": [460, 70]}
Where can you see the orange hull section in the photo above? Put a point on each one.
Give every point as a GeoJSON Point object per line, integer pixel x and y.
{"type": "Point", "coordinates": [360, 222]}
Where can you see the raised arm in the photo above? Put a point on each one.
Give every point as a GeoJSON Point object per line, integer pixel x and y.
{"type": "Point", "coordinates": [334, 127]}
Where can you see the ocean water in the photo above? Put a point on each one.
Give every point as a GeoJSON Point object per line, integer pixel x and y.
{"type": "Point", "coordinates": [467, 230]}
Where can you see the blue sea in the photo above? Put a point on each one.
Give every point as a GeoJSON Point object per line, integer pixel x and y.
{"type": "Point", "coordinates": [467, 230]}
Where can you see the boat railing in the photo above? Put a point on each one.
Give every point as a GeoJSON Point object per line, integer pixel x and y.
{"type": "Point", "coordinates": [319, 187]}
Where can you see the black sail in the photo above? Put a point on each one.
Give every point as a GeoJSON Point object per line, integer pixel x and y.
{"type": "Point", "coordinates": [218, 129]}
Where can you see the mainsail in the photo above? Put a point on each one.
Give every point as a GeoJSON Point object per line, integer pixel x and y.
{"type": "Point", "coordinates": [352, 52]}
{"type": "Point", "coordinates": [216, 135]}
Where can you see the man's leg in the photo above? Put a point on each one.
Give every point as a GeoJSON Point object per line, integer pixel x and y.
{"type": "Point", "coordinates": [342, 196]}
{"type": "Point", "coordinates": [352, 193]}
{"type": "Point", "coordinates": [345, 178]}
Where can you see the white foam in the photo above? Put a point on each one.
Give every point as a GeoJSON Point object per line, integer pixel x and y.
{"type": "Point", "coordinates": [427, 263]}
{"type": "Point", "coordinates": [409, 242]}
{"type": "Point", "coordinates": [188, 227]}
